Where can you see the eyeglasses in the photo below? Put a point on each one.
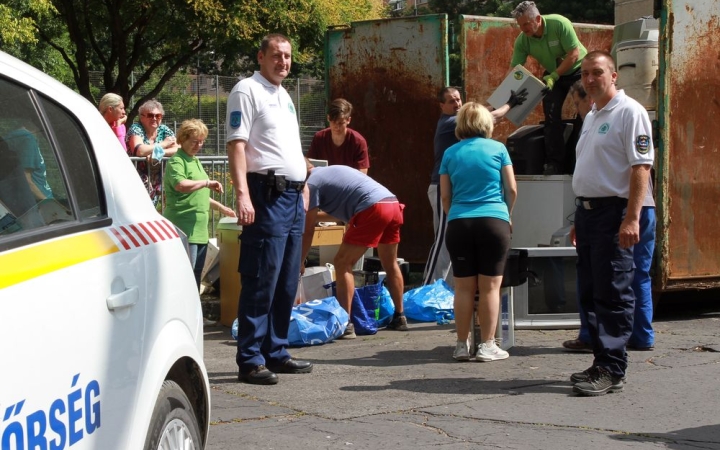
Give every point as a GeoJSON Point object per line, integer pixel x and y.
{"type": "Point", "coordinates": [153, 116]}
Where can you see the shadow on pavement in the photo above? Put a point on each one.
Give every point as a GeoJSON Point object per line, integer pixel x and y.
{"type": "Point", "coordinates": [705, 437]}
{"type": "Point", "coordinates": [469, 385]}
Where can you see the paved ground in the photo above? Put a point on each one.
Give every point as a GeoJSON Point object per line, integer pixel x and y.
{"type": "Point", "coordinates": [402, 390]}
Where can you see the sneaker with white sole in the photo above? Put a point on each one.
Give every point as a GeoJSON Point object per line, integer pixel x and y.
{"type": "Point", "coordinates": [461, 352]}
{"type": "Point", "coordinates": [349, 332]}
{"type": "Point", "coordinates": [489, 351]}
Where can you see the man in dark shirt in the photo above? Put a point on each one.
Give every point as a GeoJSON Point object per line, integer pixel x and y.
{"type": "Point", "coordinates": [339, 144]}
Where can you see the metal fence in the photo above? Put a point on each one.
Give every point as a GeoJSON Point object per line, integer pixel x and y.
{"type": "Point", "coordinates": [205, 97]}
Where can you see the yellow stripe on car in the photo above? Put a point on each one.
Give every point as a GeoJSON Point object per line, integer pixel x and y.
{"type": "Point", "coordinates": [31, 262]}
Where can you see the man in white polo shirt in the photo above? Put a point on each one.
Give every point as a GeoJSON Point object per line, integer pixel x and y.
{"type": "Point", "coordinates": [614, 157]}
{"type": "Point", "coordinates": [268, 172]}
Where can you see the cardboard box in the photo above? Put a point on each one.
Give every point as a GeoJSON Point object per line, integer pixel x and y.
{"type": "Point", "coordinates": [517, 79]}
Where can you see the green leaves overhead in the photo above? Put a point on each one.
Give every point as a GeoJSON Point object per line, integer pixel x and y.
{"type": "Point", "coordinates": [139, 45]}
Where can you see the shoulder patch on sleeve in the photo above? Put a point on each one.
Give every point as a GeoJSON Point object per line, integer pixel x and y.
{"type": "Point", "coordinates": [642, 144]}
{"type": "Point", "coordinates": [235, 117]}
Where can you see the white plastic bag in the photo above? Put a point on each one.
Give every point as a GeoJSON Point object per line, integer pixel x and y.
{"type": "Point", "coordinates": [317, 283]}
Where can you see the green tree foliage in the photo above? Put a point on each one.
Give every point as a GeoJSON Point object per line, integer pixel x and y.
{"type": "Point", "coordinates": [138, 45]}
{"type": "Point", "coordinates": [15, 27]}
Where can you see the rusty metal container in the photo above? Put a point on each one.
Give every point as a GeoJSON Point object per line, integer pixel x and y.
{"type": "Point", "coordinates": [391, 71]}
{"type": "Point", "coordinates": [688, 159]}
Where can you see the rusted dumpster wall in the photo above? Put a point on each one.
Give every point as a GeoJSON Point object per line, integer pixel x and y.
{"type": "Point", "coordinates": [487, 47]}
{"type": "Point", "coordinates": [688, 166]}
{"type": "Point", "coordinates": [391, 70]}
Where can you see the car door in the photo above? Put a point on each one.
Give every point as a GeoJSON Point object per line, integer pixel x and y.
{"type": "Point", "coordinates": [71, 288]}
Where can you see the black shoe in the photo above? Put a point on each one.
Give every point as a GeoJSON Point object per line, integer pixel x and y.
{"type": "Point", "coordinates": [579, 377]}
{"type": "Point", "coordinates": [550, 169]}
{"type": "Point", "coordinates": [259, 375]}
{"type": "Point", "coordinates": [292, 366]}
{"type": "Point", "coordinates": [599, 382]}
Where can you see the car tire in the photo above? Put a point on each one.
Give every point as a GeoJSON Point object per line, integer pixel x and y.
{"type": "Point", "coordinates": [173, 425]}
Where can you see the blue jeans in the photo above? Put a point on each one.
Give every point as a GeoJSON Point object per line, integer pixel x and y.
{"type": "Point", "coordinates": [643, 334]}
{"type": "Point", "coordinates": [269, 269]}
{"type": "Point", "coordinates": [605, 275]}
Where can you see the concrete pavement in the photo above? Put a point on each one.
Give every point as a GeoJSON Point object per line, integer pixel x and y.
{"type": "Point", "coordinates": [403, 390]}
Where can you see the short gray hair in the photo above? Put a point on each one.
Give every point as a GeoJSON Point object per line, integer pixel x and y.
{"type": "Point", "coordinates": [150, 105]}
{"type": "Point", "coordinates": [528, 8]}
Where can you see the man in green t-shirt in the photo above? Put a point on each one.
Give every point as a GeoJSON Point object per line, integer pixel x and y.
{"type": "Point", "coordinates": [552, 41]}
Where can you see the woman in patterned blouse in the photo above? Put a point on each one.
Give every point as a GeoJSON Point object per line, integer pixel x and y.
{"type": "Point", "coordinates": [152, 140]}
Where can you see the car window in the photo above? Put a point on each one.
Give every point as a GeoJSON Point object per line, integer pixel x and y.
{"type": "Point", "coordinates": [75, 152]}
{"type": "Point", "coordinates": [47, 177]}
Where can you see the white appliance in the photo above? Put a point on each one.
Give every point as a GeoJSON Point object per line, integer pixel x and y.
{"type": "Point", "coordinates": [544, 205]}
{"type": "Point", "coordinates": [549, 297]}
{"type": "Point", "coordinates": [516, 80]}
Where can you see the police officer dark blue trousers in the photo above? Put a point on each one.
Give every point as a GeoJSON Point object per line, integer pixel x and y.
{"type": "Point", "coordinates": [605, 275]}
{"type": "Point", "coordinates": [643, 335]}
{"type": "Point", "coordinates": [269, 271]}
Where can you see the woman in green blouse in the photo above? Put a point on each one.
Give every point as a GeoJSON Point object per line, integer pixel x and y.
{"type": "Point", "coordinates": [187, 192]}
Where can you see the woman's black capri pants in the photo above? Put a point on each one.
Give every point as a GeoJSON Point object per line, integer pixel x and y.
{"type": "Point", "coordinates": [478, 246]}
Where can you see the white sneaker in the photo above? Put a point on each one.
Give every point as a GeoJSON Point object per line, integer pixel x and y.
{"type": "Point", "coordinates": [461, 352]}
{"type": "Point", "coordinates": [489, 351]}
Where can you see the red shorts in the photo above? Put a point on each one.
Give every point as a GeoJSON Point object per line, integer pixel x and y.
{"type": "Point", "coordinates": [380, 223]}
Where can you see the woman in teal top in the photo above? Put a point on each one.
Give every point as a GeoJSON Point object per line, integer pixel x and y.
{"type": "Point", "coordinates": [187, 192]}
{"type": "Point", "coordinates": [478, 191]}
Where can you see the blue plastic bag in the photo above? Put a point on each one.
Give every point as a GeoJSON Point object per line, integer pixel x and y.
{"type": "Point", "coordinates": [363, 310]}
{"type": "Point", "coordinates": [426, 302]}
{"type": "Point", "coordinates": [382, 308]}
{"type": "Point", "coordinates": [316, 322]}
{"type": "Point", "coordinates": [384, 313]}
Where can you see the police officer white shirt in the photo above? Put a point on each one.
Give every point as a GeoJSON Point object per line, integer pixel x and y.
{"type": "Point", "coordinates": [613, 139]}
{"type": "Point", "coordinates": [263, 115]}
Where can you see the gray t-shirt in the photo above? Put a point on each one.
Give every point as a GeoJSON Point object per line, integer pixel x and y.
{"type": "Point", "coordinates": [342, 191]}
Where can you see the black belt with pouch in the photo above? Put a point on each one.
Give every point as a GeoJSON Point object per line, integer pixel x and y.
{"type": "Point", "coordinates": [275, 183]}
{"type": "Point", "coordinates": [598, 202]}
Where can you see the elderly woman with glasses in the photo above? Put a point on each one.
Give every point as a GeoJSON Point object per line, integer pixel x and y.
{"type": "Point", "coordinates": [152, 140]}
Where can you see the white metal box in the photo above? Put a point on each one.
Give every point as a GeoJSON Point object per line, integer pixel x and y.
{"type": "Point", "coordinates": [544, 205]}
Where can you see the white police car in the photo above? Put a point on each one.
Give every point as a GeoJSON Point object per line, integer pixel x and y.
{"type": "Point", "coordinates": [101, 331]}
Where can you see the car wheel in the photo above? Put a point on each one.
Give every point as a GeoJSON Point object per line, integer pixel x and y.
{"type": "Point", "coordinates": [174, 425]}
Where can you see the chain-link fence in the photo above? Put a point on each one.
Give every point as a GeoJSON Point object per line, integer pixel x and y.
{"type": "Point", "coordinates": [205, 97]}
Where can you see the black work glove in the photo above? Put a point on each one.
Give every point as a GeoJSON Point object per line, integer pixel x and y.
{"type": "Point", "coordinates": [517, 98]}
{"type": "Point", "coordinates": [545, 91]}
